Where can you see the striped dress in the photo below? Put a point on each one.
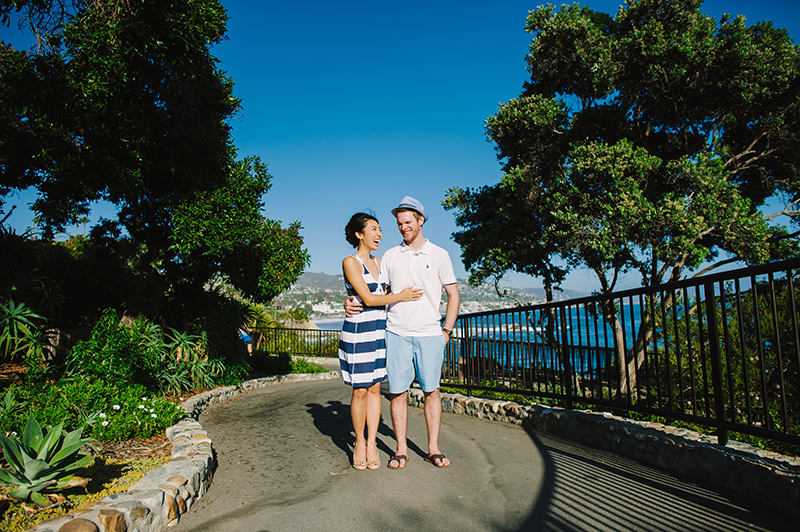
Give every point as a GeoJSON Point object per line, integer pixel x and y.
{"type": "Point", "coordinates": [362, 343]}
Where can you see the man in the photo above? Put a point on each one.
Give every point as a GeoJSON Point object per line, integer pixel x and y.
{"type": "Point", "coordinates": [415, 340]}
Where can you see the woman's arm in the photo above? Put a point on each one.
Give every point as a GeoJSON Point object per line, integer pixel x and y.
{"type": "Point", "coordinates": [352, 272]}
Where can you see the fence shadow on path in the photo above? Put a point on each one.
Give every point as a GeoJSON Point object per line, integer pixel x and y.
{"type": "Point", "coordinates": [581, 491]}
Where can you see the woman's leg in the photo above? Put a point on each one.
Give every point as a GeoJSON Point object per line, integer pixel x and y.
{"type": "Point", "coordinates": [358, 412]}
{"type": "Point", "coordinates": [373, 410]}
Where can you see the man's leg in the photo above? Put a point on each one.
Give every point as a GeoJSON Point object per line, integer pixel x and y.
{"type": "Point", "coordinates": [433, 419]}
{"type": "Point", "coordinates": [400, 370]}
{"type": "Point", "coordinates": [399, 408]}
{"type": "Point", "coordinates": [430, 355]}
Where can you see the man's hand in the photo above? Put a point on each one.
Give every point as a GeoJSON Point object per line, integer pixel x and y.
{"type": "Point", "coordinates": [351, 306]}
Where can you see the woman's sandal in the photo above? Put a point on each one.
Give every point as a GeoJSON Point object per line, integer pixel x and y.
{"type": "Point", "coordinates": [397, 458]}
{"type": "Point", "coordinates": [372, 465]}
{"type": "Point", "coordinates": [359, 465]}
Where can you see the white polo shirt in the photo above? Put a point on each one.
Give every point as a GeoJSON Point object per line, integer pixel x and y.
{"type": "Point", "coordinates": [429, 268]}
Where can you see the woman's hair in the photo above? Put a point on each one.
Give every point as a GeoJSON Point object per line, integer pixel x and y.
{"type": "Point", "coordinates": [356, 225]}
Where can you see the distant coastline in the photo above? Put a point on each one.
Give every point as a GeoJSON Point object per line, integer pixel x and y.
{"type": "Point", "coordinates": [329, 324]}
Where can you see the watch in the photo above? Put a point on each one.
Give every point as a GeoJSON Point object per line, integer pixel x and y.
{"type": "Point", "coordinates": [448, 331]}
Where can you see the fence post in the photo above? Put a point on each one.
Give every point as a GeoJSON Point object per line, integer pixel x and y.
{"type": "Point", "coordinates": [566, 364]}
{"type": "Point", "coordinates": [716, 362]}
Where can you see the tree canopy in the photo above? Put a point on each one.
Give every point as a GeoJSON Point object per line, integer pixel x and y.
{"type": "Point", "coordinates": [645, 141]}
{"type": "Point", "coordinates": [124, 102]}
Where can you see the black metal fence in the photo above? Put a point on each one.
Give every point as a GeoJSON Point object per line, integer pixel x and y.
{"type": "Point", "coordinates": [719, 351]}
{"type": "Point", "coordinates": [307, 342]}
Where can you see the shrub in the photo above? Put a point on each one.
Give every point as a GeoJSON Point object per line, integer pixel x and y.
{"type": "Point", "coordinates": [271, 364]}
{"type": "Point", "coordinates": [134, 415]}
{"type": "Point", "coordinates": [118, 353]}
{"type": "Point", "coordinates": [79, 403]}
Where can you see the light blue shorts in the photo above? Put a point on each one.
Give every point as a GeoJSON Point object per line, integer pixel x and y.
{"type": "Point", "coordinates": [407, 355]}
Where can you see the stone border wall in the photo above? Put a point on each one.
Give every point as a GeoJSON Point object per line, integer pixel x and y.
{"type": "Point", "coordinates": [163, 494]}
{"type": "Point", "coordinates": [158, 499]}
{"type": "Point", "coordinates": [770, 478]}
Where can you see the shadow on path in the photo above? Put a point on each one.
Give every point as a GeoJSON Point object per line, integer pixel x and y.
{"type": "Point", "coordinates": [592, 489]}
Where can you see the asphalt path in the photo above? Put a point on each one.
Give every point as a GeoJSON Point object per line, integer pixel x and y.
{"type": "Point", "coordinates": [284, 456]}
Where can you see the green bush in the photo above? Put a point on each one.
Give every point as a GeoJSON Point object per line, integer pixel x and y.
{"type": "Point", "coordinates": [300, 365]}
{"type": "Point", "coordinates": [78, 403]}
{"type": "Point", "coordinates": [118, 353]}
{"type": "Point", "coordinates": [271, 364]}
{"type": "Point", "coordinates": [281, 364]}
{"type": "Point", "coordinates": [134, 415]}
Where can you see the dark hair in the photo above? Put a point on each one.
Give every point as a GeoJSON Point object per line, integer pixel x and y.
{"type": "Point", "coordinates": [356, 224]}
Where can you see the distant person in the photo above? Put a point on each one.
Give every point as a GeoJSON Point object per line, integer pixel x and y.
{"type": "Point", "coordinates": [415, 340]}
{"type": "Point", "coordinates": [362, 342]}
{"type": "Point", "coordinates": [244, 335]}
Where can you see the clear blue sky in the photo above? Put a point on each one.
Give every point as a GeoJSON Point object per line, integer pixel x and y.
{"type": "Point", "coordinates": [355, 104]}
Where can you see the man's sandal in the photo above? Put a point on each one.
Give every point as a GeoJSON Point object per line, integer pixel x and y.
{"type": "Point", "coordinates": [437, 460]}
{"type": "Point", "coordinates": [400, 459]}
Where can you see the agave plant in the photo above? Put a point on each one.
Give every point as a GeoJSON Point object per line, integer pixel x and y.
{"type": "Point", "coordinates": [44, 460]}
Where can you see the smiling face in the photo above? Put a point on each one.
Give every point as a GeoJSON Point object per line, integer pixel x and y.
{"type": "Point", "coordinates": [370, 236]}
{"type": "Point", "coordinates": [410, 226]}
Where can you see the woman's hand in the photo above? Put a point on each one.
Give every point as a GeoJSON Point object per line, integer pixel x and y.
{"type": "Point", "coordinates": [411, 294]}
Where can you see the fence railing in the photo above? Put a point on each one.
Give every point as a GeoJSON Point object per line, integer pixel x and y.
{"type": "Point", "coordinates": [307, 342]}
{"type": "Point", "coordinates": [719, 351]}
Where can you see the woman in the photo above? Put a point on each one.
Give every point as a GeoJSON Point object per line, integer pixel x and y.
{"type": "Point", "coordinates": [362, 343]}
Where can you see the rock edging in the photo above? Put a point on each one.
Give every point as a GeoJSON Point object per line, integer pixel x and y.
{"type": "Point", "coordinates": [159, 499]}
{"type": "Point", "coordinates": [770, 478]}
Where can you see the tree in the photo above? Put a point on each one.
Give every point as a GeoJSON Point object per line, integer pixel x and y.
{"type": "Point", "coordinates": [644, 142]}
{"type": "Point", "coordinates": [124, 103]}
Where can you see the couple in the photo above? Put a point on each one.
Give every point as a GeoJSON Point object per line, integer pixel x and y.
{"type": "Point", "coordinates": [405, 340]}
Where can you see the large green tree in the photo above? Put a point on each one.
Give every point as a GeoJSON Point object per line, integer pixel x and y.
{"type": "Point", "coordinates": [644, 142]}
{"type": "Point", "coordinates": [122, 101]}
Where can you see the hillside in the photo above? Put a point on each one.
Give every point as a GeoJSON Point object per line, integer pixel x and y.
{"type": "Point", "coordinates": [321, 295]}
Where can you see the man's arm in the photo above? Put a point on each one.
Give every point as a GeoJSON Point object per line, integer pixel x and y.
{"type": "Point", "coordinates": [351, 306]}
{"type": "Point", "coordinates": [453, 302]}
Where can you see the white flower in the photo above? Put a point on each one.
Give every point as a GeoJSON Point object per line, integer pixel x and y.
{"type": "Point", "coordinates": [141, 407]}
{"type": "Point", "coordinates": [101, 415]}
{"type": "Point", "coordinates": [104, 423]}
{"type": "Point", "coordinates": [153, 416]}
{"type": "Point", "coordinates": [116, 407]}
{"type": "Point", "coordinates": [180, 398]}
{"type": "Point", "coordinates": [151, 410]}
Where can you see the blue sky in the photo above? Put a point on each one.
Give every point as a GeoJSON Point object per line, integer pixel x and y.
{"type": "Point", "coordinates": [355, 104]}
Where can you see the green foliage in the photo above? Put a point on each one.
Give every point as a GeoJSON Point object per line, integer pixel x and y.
{"type": "Point", "coordinates": [271, 364]}
{"type": "Point", "coordinates": [125, 103]}
{"type": "Point", "coordinates": [18, 328]}
{"type": "Point", "coordinates": [82, 403]}
{"type": "Point", "coordinates": [117, 353]}
{"type": "Point", "coordinates": [300, 365]}
{"type": "Point", "coordinates": [642, 142]}
{"type": "Point", "coordinates": [282, 363]}
{"type": "Point", "coordinates": [43, 460]}
{"type": "Point", "coordinates": [132, 414]}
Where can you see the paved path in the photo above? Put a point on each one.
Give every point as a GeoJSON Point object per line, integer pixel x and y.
{"type": "Point", "coordinates": [284, 465]}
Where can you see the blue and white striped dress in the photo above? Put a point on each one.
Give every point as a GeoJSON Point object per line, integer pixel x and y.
{"type": "Point", "coordinates": [362, 343]}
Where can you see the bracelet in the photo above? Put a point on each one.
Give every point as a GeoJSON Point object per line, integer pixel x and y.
{"type": "Point", "coordinates": [448, 331]}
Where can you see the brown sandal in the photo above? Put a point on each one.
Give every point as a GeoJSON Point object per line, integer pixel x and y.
{"type": "Point", "coordinates": [437, 460]}
{"type": "Point", "coordinates": [397, 458]}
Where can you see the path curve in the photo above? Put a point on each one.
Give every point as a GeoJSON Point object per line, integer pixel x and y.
{"type": "Point", "coordinates": [283, 457]}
